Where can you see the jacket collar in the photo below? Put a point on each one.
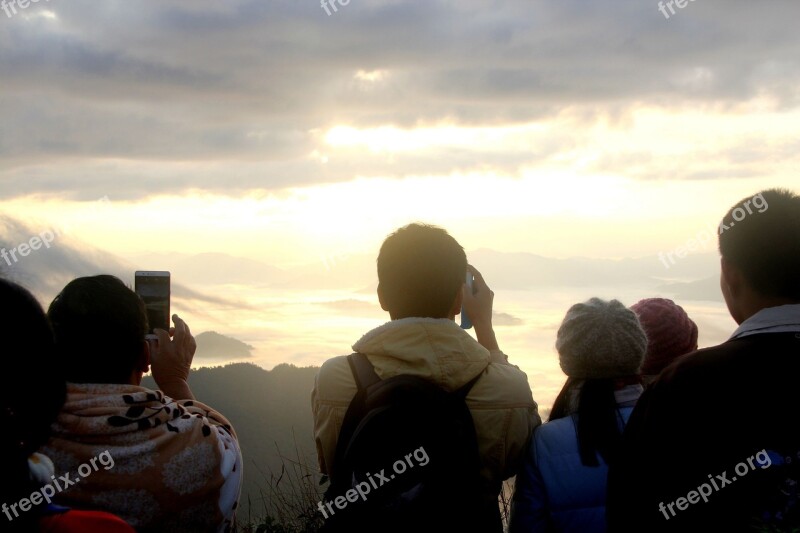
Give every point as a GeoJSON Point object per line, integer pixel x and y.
{"type": "Point", "coordinates": [780, 319]}
{"type": "Point", "coordinates": [396, 325]}
{"type": "Point", "coordinates": [437, 349]}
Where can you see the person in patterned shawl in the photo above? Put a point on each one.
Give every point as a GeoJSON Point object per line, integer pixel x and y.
{"type": "Point", "coordinates": [177, 465]}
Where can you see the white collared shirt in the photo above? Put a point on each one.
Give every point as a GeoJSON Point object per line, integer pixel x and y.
{"type": "Point", "coordinates": [780, 319]}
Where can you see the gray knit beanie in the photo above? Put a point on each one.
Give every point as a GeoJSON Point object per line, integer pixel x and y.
{"type": "Point", "coordinates": [600, 339]}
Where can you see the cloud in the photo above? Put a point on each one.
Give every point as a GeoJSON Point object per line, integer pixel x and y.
{"type": "Point", "coordinates": [47, 270]}
{"type": "Point", "coordinates": [354, 308]}
{"type": "Point", "coordinates": [119, 96]}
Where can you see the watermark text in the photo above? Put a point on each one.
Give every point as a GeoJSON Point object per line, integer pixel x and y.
{"type": "Point", "coordinates": [47, 492]}
{"type": "Point", "coordinates": [44, 238]}
{"type": "Point", "coordinates": [375, 481]}
{"type": "Point", "coordinates": [762, 459]}
{"type": "Point", "coordinates": [670, 4]}
{"type": "Point", "coordinates": [704, 237]}
{"type": "Point", "coordinates": [327, 5]}
{"type": "Point", "coordinates": [10, 6]}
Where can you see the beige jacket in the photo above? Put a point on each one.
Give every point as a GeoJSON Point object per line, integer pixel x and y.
{"type": "Point", "coordinates": [502, 407]}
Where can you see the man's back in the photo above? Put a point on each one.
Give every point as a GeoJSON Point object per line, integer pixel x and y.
{"type": "Point", "coordinates": [715, 441]}
{"type": "Point", "coordinates": [502, 407]}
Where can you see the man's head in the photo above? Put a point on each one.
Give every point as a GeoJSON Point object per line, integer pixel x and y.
{"type": "Point", "coordinates": [760, 246]}
{"type": "Point", "coordinates": [421, 271]}
{"type": "Point", "coordinates": [99, 327]}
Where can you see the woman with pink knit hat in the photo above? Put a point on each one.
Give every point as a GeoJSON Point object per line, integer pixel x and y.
{"type": "Point", "coordinates": [670, 334]}
{"type": "Point", "coordinates": [562, 486]}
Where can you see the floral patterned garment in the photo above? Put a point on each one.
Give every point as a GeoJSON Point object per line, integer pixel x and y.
{"type": "Point", "coordinates": [165, 465]}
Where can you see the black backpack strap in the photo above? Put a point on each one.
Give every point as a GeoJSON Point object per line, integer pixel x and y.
{"type": "Point", "coordinates": [364, 375]}
{"type": "Point", "coordinates": [464, 390]}
{"type": "Point", "coordinates": [363, 371]}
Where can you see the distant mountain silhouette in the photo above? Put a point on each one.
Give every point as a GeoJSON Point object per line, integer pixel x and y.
{"type": "Point", "coordinates": [214, 268]}
{"type": "Point", "coordinates": [271, 413]}
{"type": "Point", "coordinates": [703, 289]}
{"type": "Point", "coordinates": [45, 271]}
{"type": "Point", "coordinates": [215, 346]}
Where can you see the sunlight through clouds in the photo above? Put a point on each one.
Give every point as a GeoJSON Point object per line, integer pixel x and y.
{"type": "Point", "coordinates": [272, 135]}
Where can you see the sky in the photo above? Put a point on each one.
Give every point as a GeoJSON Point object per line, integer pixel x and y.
{"type": "Point", "coordinates": [275, 132]}
{"type": "Point", "coordinates": [280, 132]}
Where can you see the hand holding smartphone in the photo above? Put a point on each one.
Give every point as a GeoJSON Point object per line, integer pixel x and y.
{"type": "Point", "coordinates": [479, 300]}
{"type": "Point", "coordinates": [466, 323]}
{"type": "Point", "coordinates": [153, 286]}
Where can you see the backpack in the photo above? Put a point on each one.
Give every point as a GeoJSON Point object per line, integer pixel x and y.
{"type": "Point", "coordinates": [407, 459]}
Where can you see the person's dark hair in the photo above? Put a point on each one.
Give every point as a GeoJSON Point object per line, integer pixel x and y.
{"type": "Point", "coordinates": [597, 417]}
{"type": "Point", "coordinates": [760, 235]}
{"type": "Point", "coordinates": [33, 391]}
{"type": "Point", "coordinates": [421, 268]}
{"type": "Point", "coordinates": [99, 325]}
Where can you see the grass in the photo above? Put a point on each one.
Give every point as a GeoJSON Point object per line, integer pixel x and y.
{"type": "Point", "coordinates": [290, 496]}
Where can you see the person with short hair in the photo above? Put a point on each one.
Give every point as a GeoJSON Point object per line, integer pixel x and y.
{"type": "Point", "coordinates": [714, 443]}
{"type": "Point", "coordinates": [670, 334]}
{"type": "Point", "coordinates": [30, 399]}
{"type": "Point", "coordinates": [601, 346]}
{"type": "Point", "coordinates": [175, 463]}
{"type": "Point", "coordinates": [421, 284]}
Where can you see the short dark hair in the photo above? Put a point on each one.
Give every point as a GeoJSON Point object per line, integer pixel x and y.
{"type": "Point", "coordinates": [764, 243]}
{"type": "Point", "coordinates": [421, 268]}
{"type": "Point", "coordinates": [33, 388]}
{"type": "Point", "coordinates": [99, 325]}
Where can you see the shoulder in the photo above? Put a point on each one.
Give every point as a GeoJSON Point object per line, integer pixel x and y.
{"type": "Point", "coordinates": [729, 351]}
{"type": "Point", "coordinates": [196, 414]}
{"type": "Point", "coordinates": [334, 367]}
{"type": "Point", "coordinates": [744, 358]}
{"type": "Point", "coordinates": [714, 378]}
{"type": "Point", "coordinates": [334, 381]}
{"type": "Point", "coordinates": [696, 368]}
{"type": "Point", "coordinates": [503, 385]}
{"type": "Point", "coordinates": [554, 434]}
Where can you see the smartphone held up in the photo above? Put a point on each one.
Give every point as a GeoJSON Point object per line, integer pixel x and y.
{"type": "Point", "coordinates": [466, 323]}
{"type": "Point", "coordinates": [153, 286]}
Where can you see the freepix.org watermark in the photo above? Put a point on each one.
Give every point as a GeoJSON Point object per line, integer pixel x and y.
{"type": "Point", "coordinates": [44, 238]}
{"type": "Point", "coordinates": [10, 6]}
{"type": "Point", "coordinates": [662, 6]}
{"type": "Point", "coordinates": [375, 481]}
{"type": "Point", "coordinates": [327, 5]}
{"type": "Point", "coordinates": [718, 482]}
{"type": "Point", "coordinates": [706, 236]}
{"type": "Point", "coordinates": [46, 493]}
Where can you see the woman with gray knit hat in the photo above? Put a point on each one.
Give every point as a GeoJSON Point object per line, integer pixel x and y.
{"type": "Point", "coordinates": [562, 487]}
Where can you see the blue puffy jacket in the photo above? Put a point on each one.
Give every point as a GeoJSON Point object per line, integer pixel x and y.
{"type": "Point", "coordinates": [555, 491]}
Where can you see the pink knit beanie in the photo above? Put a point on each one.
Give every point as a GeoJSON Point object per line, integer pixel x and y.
{"type": "Point", "coordinates": [670, 332]}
